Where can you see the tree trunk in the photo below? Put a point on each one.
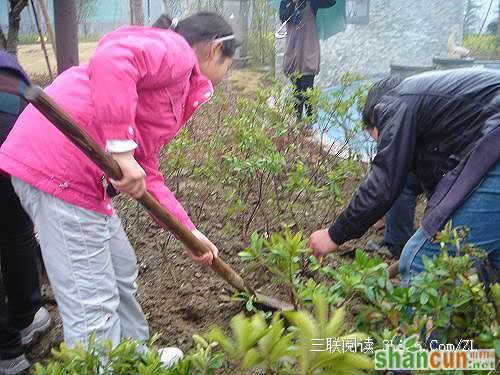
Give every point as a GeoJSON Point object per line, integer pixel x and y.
{"type": "Point", "coordinates": [66, 27]}
{"type": "Point", "coordinates": [10, 42]}
{"type": "Point", "coordinates": [3, 40]}
{"type": "Point", "coordinates": [42, 5]}
{"type": "Point", "coordinates": [137, 12]}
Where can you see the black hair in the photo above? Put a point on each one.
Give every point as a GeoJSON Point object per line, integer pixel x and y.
{"type": "Point", "coordinates": [202, 27]}
{"type": "Point", "coordinates": [376, 93]}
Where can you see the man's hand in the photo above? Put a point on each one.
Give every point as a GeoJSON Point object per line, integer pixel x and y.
{"type": "Point", "coordinates": [133, 181]}
{"type": "Point", "coordinates": [321, 243]}
{"type": "Point", "coordinates": [207, 258]}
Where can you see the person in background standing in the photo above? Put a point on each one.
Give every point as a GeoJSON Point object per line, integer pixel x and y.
{"type": "Point", "coordinates": [303, 53]}
{"type": "Point", "coordinates": [22, 317]}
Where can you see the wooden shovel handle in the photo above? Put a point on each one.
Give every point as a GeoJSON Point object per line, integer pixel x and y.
{"type": "Point", "coordinates": [62, 121]}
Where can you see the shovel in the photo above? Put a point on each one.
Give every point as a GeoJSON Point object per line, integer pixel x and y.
{"type": "Point", "coordinates": [62, 121]}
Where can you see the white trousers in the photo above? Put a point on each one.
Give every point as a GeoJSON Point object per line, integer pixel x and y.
{"type": "Point", "coordinates": [91, 266]}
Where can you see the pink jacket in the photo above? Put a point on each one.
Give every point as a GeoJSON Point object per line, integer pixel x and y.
{"type": "Point", "coordinates": [141, 84]}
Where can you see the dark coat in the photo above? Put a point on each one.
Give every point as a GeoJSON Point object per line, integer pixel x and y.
{"type": "Point", "coordinates": [287, 7]}
{"type": "Point", "coordinates": [302, 52]}
{"type": "Point", "coordinates": [445, 127]}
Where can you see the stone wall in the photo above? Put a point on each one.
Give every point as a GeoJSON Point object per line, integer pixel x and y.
{"type": "Point", "coordinates": [402, 32]}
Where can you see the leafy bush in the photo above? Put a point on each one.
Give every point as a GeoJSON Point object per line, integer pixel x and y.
{"type": "Point", "coordinates": [483, 46]}
{"type": "Point", "coordinates": [261, 40]}
{"type": "Point", "coordinates": [129, 357]}
{"type": "Point", "coordinates": [255, 344]}
{"type": "Point", "coordinates": [202, 360]}
{"type": "Point", "coordinates": [448, 297]}
{"type": "Point", "coordinates": [366, 281]}
{"type": "Point", "coordinates": [265, 168]}
{"type": "Point", "coordinates": [284, 256]}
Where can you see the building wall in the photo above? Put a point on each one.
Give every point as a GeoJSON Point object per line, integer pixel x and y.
{"type": "Point", "coordinates": [402, 32]}
{"type": "Point", "coordinates": [109, 15]}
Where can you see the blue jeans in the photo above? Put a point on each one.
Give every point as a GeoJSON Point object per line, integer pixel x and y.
{"type": "Point", "coordinates": [399, 219]}
{"type": "Point", "coordinates": [480, 213]}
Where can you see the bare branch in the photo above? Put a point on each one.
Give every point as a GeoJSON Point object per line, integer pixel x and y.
{"type": "Point", "coordinates": [16, 7]}
{"type": "Point", "coordinates": [137, 12]}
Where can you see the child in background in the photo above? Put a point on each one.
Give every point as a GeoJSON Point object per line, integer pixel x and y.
{"type": "Point", "coordinates": [139, 89]}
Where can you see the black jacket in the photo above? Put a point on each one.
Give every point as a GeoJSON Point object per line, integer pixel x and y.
{"type": "Point", "coordinates": [287, 7]}
{"type": "Point", "coordinates": [445, 127]}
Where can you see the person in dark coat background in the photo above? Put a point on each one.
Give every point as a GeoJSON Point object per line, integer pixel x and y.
{"type": "Point", "coordinates": [302, 54]}
{"type": "Point", "coordinates": [22, 317]}
{"type": "Point", "coordinates": [445, 128]}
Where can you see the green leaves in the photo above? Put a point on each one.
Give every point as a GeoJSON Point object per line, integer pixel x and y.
{"type": "Point", "coordinates": [364, 277]}
{"type": "Point", "coordinates": [128, 357]}
{"type": "Point", "coordinates": [285, 256]}
{"type": "Point", "coordinates": [424, 298]}
{"type": "Point", "coordinates": [320, 328]}
{"type": "Point", "coordinates": [202, 360]}
{"type": "Point", "coordinates": [255, 344]}
{"type": "Point", "coordinates": [335, 327]}
{"type": "Point", "coordinates": [448, 294]}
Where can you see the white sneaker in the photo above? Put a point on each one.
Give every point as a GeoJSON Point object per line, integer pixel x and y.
{"type": "Point", "coordinates": [40, 325]}
{"type": "Point", "coordinates": [170, 356]}
{"type": "Point", "coordinates": [14, 366]}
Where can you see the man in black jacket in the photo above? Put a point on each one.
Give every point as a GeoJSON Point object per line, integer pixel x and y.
{"type": "Point", "coordinates": [22, 317]}
{"type": "Point", "coordinates": [445, 128]}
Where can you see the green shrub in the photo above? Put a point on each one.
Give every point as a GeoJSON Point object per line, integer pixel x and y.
{"type": "Point", "coordinates": [449, 296]}
{"type": "Point", "coordinates": [262, 165]}
{"type": "Point", "coordinates": [101, 358]}
{"type": "Point", "coordinates": [483, 46]}
{"type": "Point", "coordinates": [256, 344]}
{"type": "Point", "coordinates": [284, 256]}
{"type": "Point", "coordinates": [261, 40]}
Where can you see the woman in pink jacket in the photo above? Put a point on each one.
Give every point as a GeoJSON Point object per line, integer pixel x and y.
{"type": "Point", "coordinates": [138, 90]}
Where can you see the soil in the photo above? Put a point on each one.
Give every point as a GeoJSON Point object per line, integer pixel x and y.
{"type": "Point", "coordinates": [32, 58]}
{"type": "Point", "coordinates": [180, 298]}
